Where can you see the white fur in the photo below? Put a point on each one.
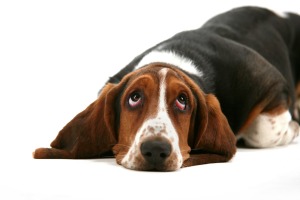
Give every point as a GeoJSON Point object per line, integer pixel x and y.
{"type": "Point", "coordinates": [282, 14]}
{"type": "Point", "coordinates": [170, 58]}
{"type": "Point", "coordinates": [160, 125]}
{"type": "Point", "coordinates": [269, 131]}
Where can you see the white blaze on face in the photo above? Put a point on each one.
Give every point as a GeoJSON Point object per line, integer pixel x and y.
{"type": "Point", "coordinates": [160, 125]}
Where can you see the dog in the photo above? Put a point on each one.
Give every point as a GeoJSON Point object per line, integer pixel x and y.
{"type": "Point", "coordinates": [189, 99]}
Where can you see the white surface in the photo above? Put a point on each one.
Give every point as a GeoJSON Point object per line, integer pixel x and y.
{"type": "Point", "coordinates": [56, 55]}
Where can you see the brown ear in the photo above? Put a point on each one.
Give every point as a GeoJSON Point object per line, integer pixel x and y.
{"type": "Point", "coordinates": [214, 139]}
{"type": "Point", "coordinates": [90, 133]}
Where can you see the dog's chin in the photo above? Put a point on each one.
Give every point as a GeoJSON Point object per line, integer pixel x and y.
{"type": "Point", "coordinates": [156, 168]}
{"type": "Point", "coordinates": [142, 165]}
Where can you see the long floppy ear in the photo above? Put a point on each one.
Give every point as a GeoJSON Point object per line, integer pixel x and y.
{"type": "Point", "coordinates": [214, 139]}
{"type": "Point", "coordinates": [90, 133]}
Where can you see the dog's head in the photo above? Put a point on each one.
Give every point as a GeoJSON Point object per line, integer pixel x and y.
{"type": "Point", "coordinates": [151, 120]}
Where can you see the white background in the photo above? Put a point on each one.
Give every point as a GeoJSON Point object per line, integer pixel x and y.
{"type": "Point", "coordinates": [56, 55]}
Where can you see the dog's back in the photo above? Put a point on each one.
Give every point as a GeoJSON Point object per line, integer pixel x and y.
{"type": "Point", "coordinates": [276, 39]}
{"type": "Point", "coordinates": [293, 22]}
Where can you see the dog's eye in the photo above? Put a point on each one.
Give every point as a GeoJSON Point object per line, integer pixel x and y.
{"type": "Point", "coordinates": [181, 102]}
{"type": "Point", "coordinates": [135, 99]}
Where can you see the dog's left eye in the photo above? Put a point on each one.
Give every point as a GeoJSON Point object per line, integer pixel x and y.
{"type": "Point", "coordinates": [135, 99]}
{"type": "Point", "coordinates": [181, 102]}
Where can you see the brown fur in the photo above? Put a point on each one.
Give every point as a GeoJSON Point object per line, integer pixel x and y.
{"type": "Point", "coordinates": [90, 133]}
{"type": "Point", "coordinates": [214, 140]}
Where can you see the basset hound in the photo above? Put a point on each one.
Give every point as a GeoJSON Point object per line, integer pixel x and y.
{"type": "Point", "coordinates": [189, 99]}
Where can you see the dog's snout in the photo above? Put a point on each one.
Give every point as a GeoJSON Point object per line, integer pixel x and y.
{"type": "Point", "coordinates": [156, 151]}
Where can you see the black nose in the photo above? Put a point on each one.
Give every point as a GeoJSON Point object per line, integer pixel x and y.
{"type": "Point", "coordinates": [156, 151]}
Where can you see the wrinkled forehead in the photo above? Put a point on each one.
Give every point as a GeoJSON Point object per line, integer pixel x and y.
{"type": "Point", "coordinates": [157, 72]}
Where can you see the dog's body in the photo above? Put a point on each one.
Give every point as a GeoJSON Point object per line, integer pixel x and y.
{"type": "Point", "coordinates": [247, 59]}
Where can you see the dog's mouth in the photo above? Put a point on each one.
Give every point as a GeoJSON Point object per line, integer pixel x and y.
{"type": "Point", "coordinates": [172, 163]}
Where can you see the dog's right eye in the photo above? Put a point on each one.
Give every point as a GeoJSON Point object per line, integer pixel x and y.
{"type": "Point", "coordinates": [135, 99]}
